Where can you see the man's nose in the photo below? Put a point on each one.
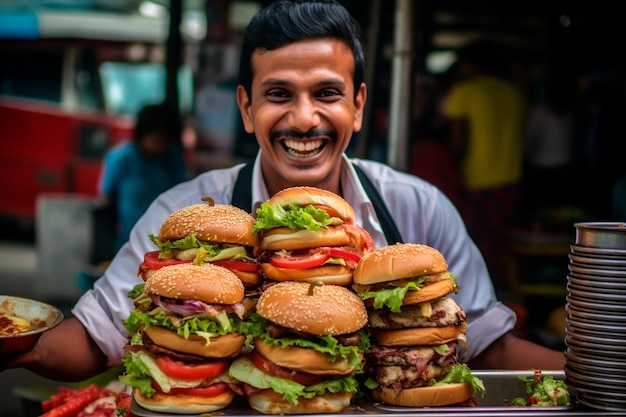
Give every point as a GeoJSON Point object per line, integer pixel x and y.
{"type": "Point", "coordinates": [304, 114]}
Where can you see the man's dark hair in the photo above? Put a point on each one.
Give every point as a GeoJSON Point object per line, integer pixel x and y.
{"type": "Point", "coordinates": [286, 21]}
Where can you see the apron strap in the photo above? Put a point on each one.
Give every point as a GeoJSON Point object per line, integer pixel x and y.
{"type": "Point", "coordinates": [392, 234]}
{"type": "Point", "coordinates": [242, 192]}
{"type": "Point", "coordinates": [242, 198]}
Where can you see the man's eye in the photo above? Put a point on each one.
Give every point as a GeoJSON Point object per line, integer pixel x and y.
{"type": "Point", "coordinates": [276, 94]}
{"type": "Point", "coordinates": [330, 94]}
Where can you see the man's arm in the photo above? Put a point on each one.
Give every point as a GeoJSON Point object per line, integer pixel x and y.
{"type": "Point", "coordinates": [511, 352]}
{"type": "Point", "coordinates": [65, 353]}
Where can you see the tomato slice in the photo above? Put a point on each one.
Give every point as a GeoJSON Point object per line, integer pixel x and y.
{"type": "Point", "coordinates": [192, 372]}
{"type": "Point", "coordinates": [299, 260]}
{"type": "Point", "coordinates": [275, 370]}
{"type": "Point", "coordinates": [238, 265]}
{"type": "Point", "coordinates": [152, 261]}
{"type": "Point", "coordinates": [345, 254]}
{"type": "Point", "coordinates": [329, 210]}
{"type": "Point", "coordinates": [208, 391]}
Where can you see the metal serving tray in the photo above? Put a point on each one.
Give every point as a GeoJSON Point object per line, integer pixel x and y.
{"type": "Point", "coordinates": [500, 386]}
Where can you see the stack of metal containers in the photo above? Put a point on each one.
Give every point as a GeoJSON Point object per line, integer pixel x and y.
{"type": "Point", "coordinates": [595, 333]}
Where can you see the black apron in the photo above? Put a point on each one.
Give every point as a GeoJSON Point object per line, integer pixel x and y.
{"type": "Point", "coordinates": [242, 198]}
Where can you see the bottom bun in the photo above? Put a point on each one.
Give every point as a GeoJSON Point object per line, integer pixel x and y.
{"type": "Point", "coordinates": [183, 404]}
{"type": "Point", "coordinates": [225, 346]}
{"type": "Point", "coordinates": [422, 336]}
{"type": "Point", "coordinates": [270, 402]}
{"type": "Point", "coordinates": [302, 359]}
{"type": "Point", "coordinates": [328, 274]}
{"type": "Point", "coordinates": [433, 396]}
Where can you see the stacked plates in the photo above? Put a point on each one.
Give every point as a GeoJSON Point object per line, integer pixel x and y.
{"type": "Point", "coordinates": [595, 333]}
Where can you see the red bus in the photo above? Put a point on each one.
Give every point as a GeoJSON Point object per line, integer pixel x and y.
{"type": "Point", "coordinates": [70, 85]}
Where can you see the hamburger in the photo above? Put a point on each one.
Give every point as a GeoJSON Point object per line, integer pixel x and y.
{"type": "Point", "coordinates": [186, 327]}
{"type": "Point", "coordinates": [308, 234]}
{"type": "Point", "coordinates": [308, 348]}
{"type": "Point", "coordinates": [415, 328]}
{"type": "Point", "coordinates": [200, 233]}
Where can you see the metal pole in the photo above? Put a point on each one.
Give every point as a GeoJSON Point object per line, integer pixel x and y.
{"type": "Point", "coordinates": [173, 53]}
{"type": "Point", "coordinates": [370, 71]}
{"type": "Point", "coordinates": [397, 149]}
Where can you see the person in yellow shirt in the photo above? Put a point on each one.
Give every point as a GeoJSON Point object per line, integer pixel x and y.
{"type": "Point", "coordinates": [487, 115]}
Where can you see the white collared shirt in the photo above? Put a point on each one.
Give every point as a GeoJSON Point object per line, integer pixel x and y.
{"type": "Point", "coordinates": [421, 212]}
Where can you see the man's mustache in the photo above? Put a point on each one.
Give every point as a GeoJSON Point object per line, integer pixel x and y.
{"type": "Point", "coordinates": [295, 134]}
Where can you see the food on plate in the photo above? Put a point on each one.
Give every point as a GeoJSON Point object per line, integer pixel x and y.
{"type": "Point", "coordinates": [89, 401]}
{"type": "Point", "coordinates": [543, 391]}
{"type": "Point", "coordinates": [308, 234]}
{"type": "Point", "coordinates": [11, 325]}
{"type": "Point", "coordinates": [186, 327]}
{"type": "Point", "coordinates": [308, 348]}
{"type": "Point", "coordinates": [415, 328]}
{"type": "Point", "coordinates": [201, 233]}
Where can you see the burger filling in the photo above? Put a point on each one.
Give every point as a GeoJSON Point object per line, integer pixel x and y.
{"type": "Point", "coordinates": [441, 312]}
{"type": "Point", "coordinates": [185, 317]}
{"type": "Point", "coordinates": [391, 294]}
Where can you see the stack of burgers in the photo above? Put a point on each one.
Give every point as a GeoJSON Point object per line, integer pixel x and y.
{"type": "Point", "coordinates": [308, 234]}
{"type": "Point", "coordinates": [188, 321]}
{"type": "Point", "coordinates": [415, 328]}
{"type": "Point", "coordinates": [307, 352]}
{"type": "Point", "coordinates": [217, 233]}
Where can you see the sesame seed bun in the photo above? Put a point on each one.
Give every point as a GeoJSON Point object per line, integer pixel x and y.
{"type": "Point", "coordinates": [209, 283]}
{"type": "Point", "coordinates": [315, 309]}
{"type": "Point", "coordinates": [399, 261]}
{"type": "Point", "coordinates": [304, 196]}
{"type": "Point", "coordinates": [434, 396]}
{"type": "Point", "coordinates": [218, 223]}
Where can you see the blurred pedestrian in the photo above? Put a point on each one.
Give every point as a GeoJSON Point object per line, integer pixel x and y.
{"type": "Point", "coordinates": [137, 171]}
{"type": "Point", "coordinates": [487, 114]}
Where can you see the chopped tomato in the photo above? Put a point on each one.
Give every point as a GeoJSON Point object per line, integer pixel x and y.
{"type": "Point", "coordinates": [208, 391]}
{"type": "Point", "coordinates": [152, 261]}
{"type": "Point", "coordinates": [180, 370]}
{"type": "Point", "coordinates": [271, 368]}
{"type": "Point", "coordinates": [238, 265]}
{"type": "Point", "coordinates": [299, 260]}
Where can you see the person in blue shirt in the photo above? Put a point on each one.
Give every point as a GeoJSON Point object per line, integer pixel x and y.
{"type": "Point", "coordinates": [136, 172]}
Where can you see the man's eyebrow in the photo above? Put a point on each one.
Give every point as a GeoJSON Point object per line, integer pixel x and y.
{"type": "Point", "coordinates": [321, 83]}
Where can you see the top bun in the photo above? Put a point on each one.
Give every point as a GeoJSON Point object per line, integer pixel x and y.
{"type": "Point", "coordinates": [304, 196]}
{"type": "Point", "coordinates": [209, 283]}
{"type": "Point", "coordinates": [218, 223]}
{"type": "Point", "coordinates": [399, 261]}
{"type": "Point", "coordinates": [328, 310]}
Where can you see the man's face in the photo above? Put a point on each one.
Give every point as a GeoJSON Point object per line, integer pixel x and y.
{"type": "Point", "coordinates": [303, 111]}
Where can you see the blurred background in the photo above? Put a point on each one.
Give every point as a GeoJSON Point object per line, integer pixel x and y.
{"type": "Point", "coordinates": [74, 73]}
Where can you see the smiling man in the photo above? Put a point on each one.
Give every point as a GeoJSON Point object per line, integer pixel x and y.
{"type": "Point", "coordinates": [302, 94]}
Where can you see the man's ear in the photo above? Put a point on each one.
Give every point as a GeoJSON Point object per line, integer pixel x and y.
{"type": "Point", "coordinates": [359, 106]}
{"type": "Point", "coordinates": [245, 108]}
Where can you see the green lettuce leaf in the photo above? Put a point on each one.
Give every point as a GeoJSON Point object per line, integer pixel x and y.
{"type": "Point", "coordinates": [461, 373]}
{"type": "Point", "coordinates": [269, 216]}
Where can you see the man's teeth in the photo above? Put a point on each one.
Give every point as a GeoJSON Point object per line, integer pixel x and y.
{"type": "Point", "coordinates": [303, 148]}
